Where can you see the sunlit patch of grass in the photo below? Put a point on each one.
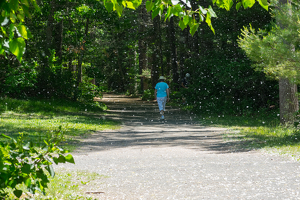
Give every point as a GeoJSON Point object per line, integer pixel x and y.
{"type": "Point", "coordinates": [48, 106]}
{"type": "Point", "coordinates": [261, 131]}
{"type": "Point", "coordinates": [279, 139]}
{"type": "Point", "coordinates": [35, 119]}
{"type": "Point", "coordinates": [35, 126]}
{"type": "Point", "coordinates": [72, 185]}
{"type": "Point", "coordinates": [69, 185]}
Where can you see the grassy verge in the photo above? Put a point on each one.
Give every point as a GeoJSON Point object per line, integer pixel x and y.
{"type": "Point", "coordinates": [69, 185]}
{"type": "Point", "coordinates": [37, 118]}
{"type": "Point", "coordinates": [261, 131]}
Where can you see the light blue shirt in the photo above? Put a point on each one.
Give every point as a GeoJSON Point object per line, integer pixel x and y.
{"type": "Point", "coordinates": [161, 88]}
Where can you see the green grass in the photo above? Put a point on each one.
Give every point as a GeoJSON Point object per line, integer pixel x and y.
{"type": "Point", "coordinates": [260, 131]}
{"type": "Point", "coordinates": [36, 118]}
{"type": "Point", "coordinates": [69, 185]}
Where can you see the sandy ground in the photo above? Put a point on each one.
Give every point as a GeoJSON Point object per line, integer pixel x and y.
{"type": "Point", "coordinates": [177, 159]}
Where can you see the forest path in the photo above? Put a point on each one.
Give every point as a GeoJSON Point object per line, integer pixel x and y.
{"type": "Point", "coordinates": [177, 159]}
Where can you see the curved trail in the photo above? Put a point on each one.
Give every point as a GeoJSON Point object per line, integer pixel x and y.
{"type": "Point", "coordinates": [178, 159]}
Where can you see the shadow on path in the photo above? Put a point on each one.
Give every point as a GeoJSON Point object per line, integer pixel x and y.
{"type": "Point", "coordinates": [141, 128]}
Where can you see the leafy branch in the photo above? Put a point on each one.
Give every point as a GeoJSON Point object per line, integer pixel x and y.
{"type": "Point", "coordinates": [24, 163]}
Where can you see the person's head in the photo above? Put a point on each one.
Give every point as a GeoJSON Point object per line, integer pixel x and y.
{"type": "Point", "coordinates": [187, 75]}
{"type": "Point", "coordinates": [161, 79]}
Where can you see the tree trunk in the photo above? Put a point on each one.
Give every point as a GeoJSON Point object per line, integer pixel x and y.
{"type": "Point", "coordinates": [50, 24]}
{"type": "Point", "coordinates": [155, 54]}
{"type": "Point", "coordinates": [288, 100]}
{"type": "Point", "coordinates": [59, 41]}
{"type": "Point", "coordinates": [82, 49]}
{"type": "Point", "coordinates": [142, 48]}
{"type": "Point", "coordinates": [160, 49]}
{"type": "Point", "coordinates": [168, 50]}
{"type": "Point", "coordinates": [80, 59]}
{"type": "Point", "coordinates": [173, 53]}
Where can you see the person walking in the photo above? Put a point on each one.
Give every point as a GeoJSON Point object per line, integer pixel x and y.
{"type": "Point", "coordinates": [162, 95]}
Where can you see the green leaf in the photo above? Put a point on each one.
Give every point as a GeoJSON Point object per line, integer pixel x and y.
{"type": "Point", "coordinates": [212, 12]}
{"type": "Point", "coordinates": [248, 3]}
{"type": "Point", "coordinates": [17, 47]}
{"type": "Point", "coordinates": [25, 2]}
{"type": "Point", "coordinates": [26, 10]}
{"type": "Point", "coordinates": [18, 193]}
{"type": "Point", "coordinates": [3, 135]}
{"type": "Point", "coordinates": [21, 17]}
{"type": "Point", "coordinates": [119, 9]}
{"type": "Point", "coordinates": [182, 25]}
{"type": "Point", "coordinates": [13, 4]}
{"type": "Point", "coordinates": [155, 12]}
{"type": "Point", "coordinates": [28, 182]}
{"type": "Point", "coordinates": [203, 11]}
{"type": "Point", "coordinates": [55, 160]}
{"type": "Point", "coordinates": [186, 19]}
{"type": "Point", "coordinates": [50, 169]}
{"type": "Point", "coordinates": [264, 4]}
{"type": "Point", "coordinates": [69, 158]}
{"type": "Point", "coordinates": [194, 29]}
{"type": "Point", "coordinates": [238, 5]}
{"type": "Point", "coordinates": [130, 5]}
{"type": "Point", "coordinates": [61, 159]}
{"type": "Point", "coordinates": [22, 30]}
{"type": "Point", "coordinates": [109, 6]}
{"type": "Point", "coordinates": [169, 12]}
{"type": "Point", "coordinates": [13, 17]}
{"type": "Point", "coordinates": [149, 5]}
{"type": "Point", "coordinates": [26, 169]}
{"type": "Point", "coordinates": [11, 31]}
{"type": "Point", "coordinates": [208, 21]}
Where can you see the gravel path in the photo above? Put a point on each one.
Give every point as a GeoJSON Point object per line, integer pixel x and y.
{"type": "Point", "coordinates": [178, 159]}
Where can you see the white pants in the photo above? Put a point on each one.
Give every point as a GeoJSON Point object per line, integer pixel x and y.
{"type": "Point", "coordinates": [161, 101]}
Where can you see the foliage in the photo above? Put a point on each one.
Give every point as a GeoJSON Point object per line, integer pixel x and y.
{"type": "Point", "coordinates": [88, 91]}
{"type": "Point", "coordinates": [222, 86]}
{"type": "Point", "coordinates": [275, 50]}
{"type": "Point", "coordinates": [21, 80]}
{"type": "Point", "coordinates": [176, 97]}
{"type": "Point", "coordinates": [181, 10]}
{"type": "Point", "coordinates": [23, 163]}
{"type": "Point", "coordinates": [68, 185]}
{"type": "Point", "coordinates": [13, 31]}
{"type": "Point", "coordinates": [148, 95]}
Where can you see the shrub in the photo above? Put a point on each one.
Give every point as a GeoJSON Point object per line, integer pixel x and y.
{"type": "Point", "coordinates": [148, 95]}
{"type": "Point", "coordinates": [23, 163]}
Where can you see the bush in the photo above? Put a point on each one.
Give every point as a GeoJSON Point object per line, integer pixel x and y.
{"type": "Point", "coordinates": [23, 163]}
{"type": "Point", "coordinates": [176, 97]}
{"type": "Point", "coordinates": [148, 95]}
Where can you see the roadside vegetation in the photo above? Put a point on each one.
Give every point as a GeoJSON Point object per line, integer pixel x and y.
{"type": "Point", "coordinates": [36, 134]}
{"type": "Point", "coordinates": [35, 118]}
{"type": "Point", "coordinates": [258, 131]}
{"type": "Point", "coordinates": [68, 185]}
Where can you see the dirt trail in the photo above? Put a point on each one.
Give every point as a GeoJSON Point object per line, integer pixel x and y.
{"type": "Point", "coordinates": [177, 159]}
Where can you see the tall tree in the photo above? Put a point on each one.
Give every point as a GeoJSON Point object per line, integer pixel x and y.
{"type": "Point", "coordinates": [288, 99]}
{"type": "Point", "coordinates": [275, 53]}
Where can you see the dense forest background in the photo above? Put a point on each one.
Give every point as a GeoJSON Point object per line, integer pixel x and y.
{"type": "Point", "coordinates": [77, 50]}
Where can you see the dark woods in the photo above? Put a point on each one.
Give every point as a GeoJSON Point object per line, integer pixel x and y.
{"type": "Point", "coordinates": [79, 50]}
